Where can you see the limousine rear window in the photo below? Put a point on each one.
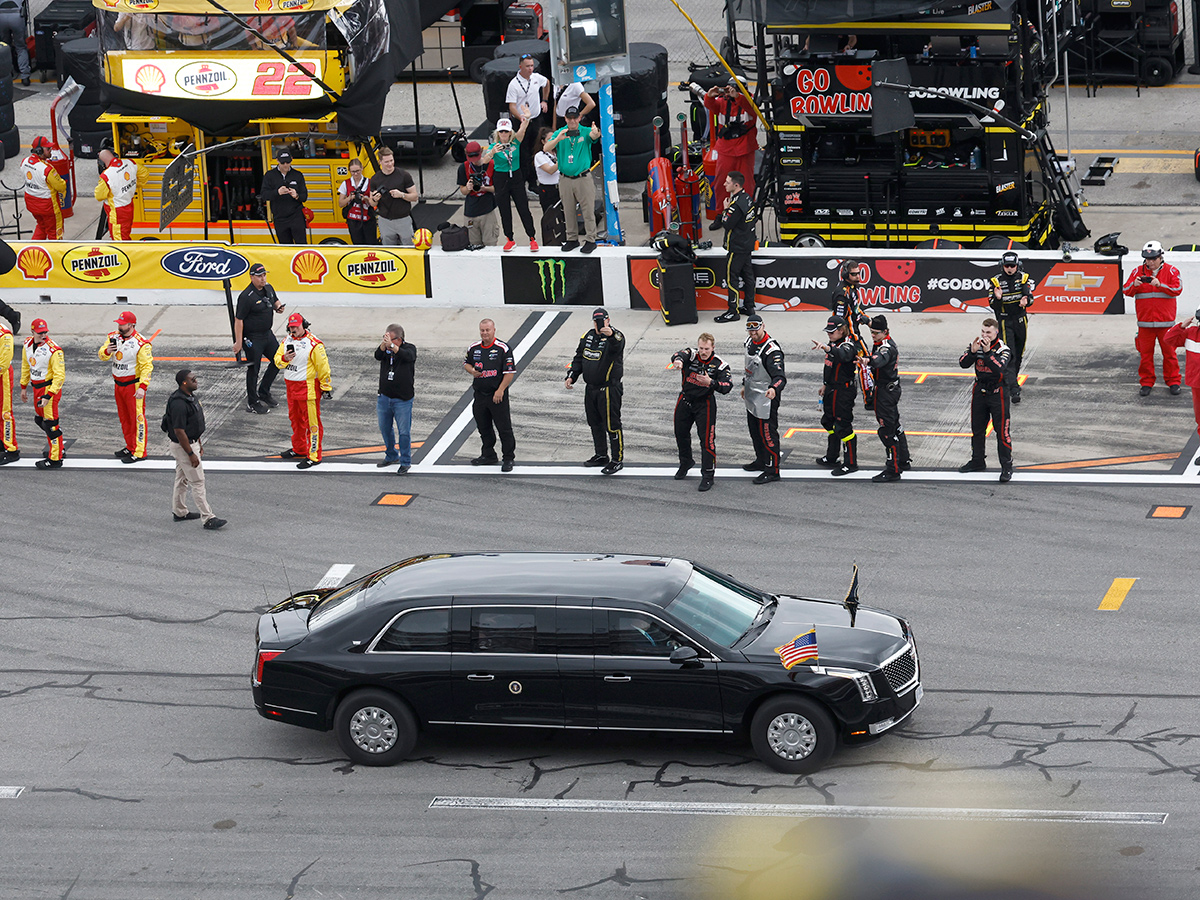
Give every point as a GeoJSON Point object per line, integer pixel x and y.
{"type": "Point", "coordinates": [718, 608]}
{"type": "Point", "coordinates": [336, 605]}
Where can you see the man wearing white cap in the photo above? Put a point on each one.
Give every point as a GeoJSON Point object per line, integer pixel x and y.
{"type": "Point", "coordinates": [132, 361]}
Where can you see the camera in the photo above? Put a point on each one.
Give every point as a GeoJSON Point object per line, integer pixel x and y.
{"type": "Point", "coordinates": [476, 183]}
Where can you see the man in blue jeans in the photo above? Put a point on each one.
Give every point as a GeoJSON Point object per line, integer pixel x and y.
{"type": "Point", "coordinates": [397, 363]}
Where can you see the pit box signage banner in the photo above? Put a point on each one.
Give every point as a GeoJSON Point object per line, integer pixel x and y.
{"type": "Point", "coordinates": [229, 78]}
{"type": "Point", "coordinates": [944, 284]}
{"type": "Point", "coordinates": [118, 267]}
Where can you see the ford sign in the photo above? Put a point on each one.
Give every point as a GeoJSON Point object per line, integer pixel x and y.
{"type": "Point", "coordinates": [205, 263]}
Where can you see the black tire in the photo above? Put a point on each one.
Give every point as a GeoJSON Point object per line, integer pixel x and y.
{"type": "Point", "coordinates": [87, 143]}
{"type": "Point", "coordinates": [996, 242]}
{"type": "Point", "coordinates": [638, 88]}
{"type": "Point", "coordinates": [83, 116]}
{"type": "Point", "coordinates": [375, 728]}
{"type": "Point", "coordinates": [7, 119]}
{"type": "Point", "coordinates": [633, 167]}
{"type": "Point", "coordinates": [6, 69]}
{"type": "Point", "coordinates": [808, 239]}
{"type": "Point", "coordinates": [6, 91]}
{"type": "Point", "coordinates": [497, 73]}
{"type": "Point", "coordinates": [12, 142]}
{"type": "Point", "coordinates": [334, 240]}
{"type": "Point", "coordinates": [938, 244]}
{"type": "Point", "coordinates": [635, 117]}
{"type": "Point", "coordinates": [540, 50]}
{"type": "Point", "coordinates": [633, 141]}
{"type": "Point", "coordinates": [793, 734]}
{"type": "Point", "coordinates": [475, 70]}
{"type": "Point", "coordinates": [1157, 70]}
{"type": "Point", "coordinates": [657, 54]}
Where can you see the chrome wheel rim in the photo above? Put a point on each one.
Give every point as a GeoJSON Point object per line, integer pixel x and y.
{"type": "Point", "coordinates": [373, 730]}
{"type": "Point", "coordinates": [791, 736]}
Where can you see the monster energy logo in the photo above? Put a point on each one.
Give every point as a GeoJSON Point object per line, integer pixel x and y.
{"type": "Point", "coordinates": [553, 274]}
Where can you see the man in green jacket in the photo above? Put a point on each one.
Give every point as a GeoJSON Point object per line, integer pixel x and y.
{"type": "Point", "coordinates": [575, 184]}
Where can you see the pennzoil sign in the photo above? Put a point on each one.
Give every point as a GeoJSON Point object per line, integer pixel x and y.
{"type": "Point", "coordinates": [375, 268]}
{"type": "Point", "coordinates": [96, 263]}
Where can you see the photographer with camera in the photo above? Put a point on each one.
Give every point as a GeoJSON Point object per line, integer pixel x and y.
{"type": "Point", "coordinates": [479, 205]}
{"type": "Point", "coordinates": [354, 197]}
{"type": "Point", "coordinates": [735, 137]}
{"type": "Point", "coordinates": [600, 360]}
{"type": "Point", "coordinates": [1154, 287]}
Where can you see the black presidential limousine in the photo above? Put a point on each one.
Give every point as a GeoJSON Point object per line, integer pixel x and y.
{"type": "Point", "coordinates": [582, 641]}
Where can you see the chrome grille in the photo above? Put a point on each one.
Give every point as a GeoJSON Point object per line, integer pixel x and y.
{"type": "Point", "coordinates": [901, 671]}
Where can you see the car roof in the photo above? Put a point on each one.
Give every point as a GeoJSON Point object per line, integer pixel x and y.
{"type": "Point", "coordinates": [649, 579]}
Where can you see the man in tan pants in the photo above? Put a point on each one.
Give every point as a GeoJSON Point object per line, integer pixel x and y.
{"type": "Point", "coordinates": [184, 425]}
{"type": "Point", "coordinates": [575, 185]}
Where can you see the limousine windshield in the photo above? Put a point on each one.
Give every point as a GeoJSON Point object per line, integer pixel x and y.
{"type": "Point", "coordinates": [719, 608]}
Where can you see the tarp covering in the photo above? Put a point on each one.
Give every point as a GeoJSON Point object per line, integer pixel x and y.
{"type": "Point", "coordinates": [832, 12]}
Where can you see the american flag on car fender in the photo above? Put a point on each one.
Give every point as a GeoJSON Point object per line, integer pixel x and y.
{"type": "Point", "coordinates": [801, 648]}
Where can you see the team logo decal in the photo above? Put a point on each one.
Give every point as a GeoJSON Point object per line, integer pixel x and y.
{"type": "Point", "coordinates": [372, 268]}
{"type": "Point", "coordinates": [149, 79]}
{"type": "Point", "coordinates": [96, 263]}
{"type": "Point", "coordinates": [309, 267]}
{"type": "Point", "coordinates": [205, 263]}
{"type": "Point", "coordinates": [206, 79]}
{"type": "Point", "coordinates": [35, 263]}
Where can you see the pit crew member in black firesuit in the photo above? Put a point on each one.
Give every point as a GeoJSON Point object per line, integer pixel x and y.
{"type": "Point", "coordinates": [704, 373]}
{"type": "Point", "coordinates": [989, 398]}
{"type": "Point", "coordinates": [762, 385]}
{"type": "Point", "coordinates": [1012, 294]}
{"type": "Point", "coordinates": [885, 361]}
{"type": "Point", "coordinates": [847, 304]}
{"type": "Point", "coordinates": [490, 362]}
{"type": "Point", "coordinates": [252, 331]}
{"type": "Point", "coordinates": [837, 396]}
{"type": "Point", "coordinates": [600, 359]}
{"type": "Point", "coordinates": [738, 220]}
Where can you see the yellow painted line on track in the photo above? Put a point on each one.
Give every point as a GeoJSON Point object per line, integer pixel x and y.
{"type": "Point", "coordinates": [1116, 594]}
{"type": "Point", "coordinates": [1126, 150]}
{"type": "Point", "coordinates": [1134, 165]}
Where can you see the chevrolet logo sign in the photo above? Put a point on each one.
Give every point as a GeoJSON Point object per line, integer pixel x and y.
{"type": "Point", "coordinates": [1075, 281]}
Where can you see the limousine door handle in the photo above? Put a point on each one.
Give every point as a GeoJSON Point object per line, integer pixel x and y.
{"type": "Point", "coordinates": [480, 677]}
{"type": "Point", "coordinates": [617, 678]}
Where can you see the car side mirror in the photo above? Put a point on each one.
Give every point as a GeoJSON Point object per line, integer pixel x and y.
{"type": "Point", "coordinates": [685, 656]}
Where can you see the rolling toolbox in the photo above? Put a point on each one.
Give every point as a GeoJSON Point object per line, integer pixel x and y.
{"type": "Point", "coordinates": [677, 292]}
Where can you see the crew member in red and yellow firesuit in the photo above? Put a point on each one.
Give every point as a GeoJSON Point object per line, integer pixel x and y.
{"type": "Point", "coordinates": [1154, 285]}
{"type": "Point", "coordinates": [734, 137]}
{"type": "Point", "coordinates": [44, 189]}
{"type": "Point", "coordinates": [306, 371]}
{"type": "Point", "coordinates": [1186, 335]}
{"type": "Point", "coordinates": [119, 181]}
{"type": "Point", "coordinates": [8, 426]}
{"type": "Point", "coordinates": [42, 366]}
{"type": "Point", "coordinates": [132, 363]}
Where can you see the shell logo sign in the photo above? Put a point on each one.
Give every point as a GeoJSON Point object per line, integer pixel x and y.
{"type": "Point", "coordinates": [206, 79]}
{"type": "Point", "coordinates": [372, 268]}
{"type": "Point", "coordinates": [96, 263]}
{"type": "Point", "coordinates": [309, 267]}
{"type": "Point", "coordinates": [149, 79]}
{"type": "Point", "coordinates": [35, 263]}
{"type": "Point", "coordinates": [262, 5]}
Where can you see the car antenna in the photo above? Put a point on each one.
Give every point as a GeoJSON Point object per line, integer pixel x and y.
{"type": "Point", "coordinates": [288, 582]}
{"type": "Point", "coordinates": [851, 601]}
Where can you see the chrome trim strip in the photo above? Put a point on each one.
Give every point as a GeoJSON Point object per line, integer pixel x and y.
{"type": "Point", "coordinates": [307, 712]}
{"type": "Point", "coordinates": [581, 727]}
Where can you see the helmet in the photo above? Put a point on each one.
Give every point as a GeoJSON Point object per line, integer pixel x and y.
{"type": "Point", "coordinates": [1151, 250]}
{"type": "Point", "coordinates": [1010, 259]}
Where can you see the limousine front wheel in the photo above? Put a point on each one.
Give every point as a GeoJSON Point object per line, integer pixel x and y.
{"type": "Point", "coordinates": [375, 728]}
{"type": "Point", "coordinates": [792, 734]}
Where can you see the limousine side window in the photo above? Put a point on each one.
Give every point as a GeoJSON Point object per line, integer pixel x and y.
{"type": "Point", "coordinates": [508, 630]}
{"type": "Point", "coordinates": [635, 634]}
{"type": "Point", "coordinates": [420, 631]}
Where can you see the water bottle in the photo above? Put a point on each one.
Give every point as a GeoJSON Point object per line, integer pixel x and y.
{"type": "Point", "coordinates": [820, 403]}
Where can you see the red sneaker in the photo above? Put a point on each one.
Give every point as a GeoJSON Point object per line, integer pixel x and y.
{"type": "Point", "coordinates": [533, 247]}
{"type": "Point", "coordinates": [508, 247]}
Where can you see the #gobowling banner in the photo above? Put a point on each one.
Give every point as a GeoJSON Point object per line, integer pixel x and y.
{"type": "Point", "coordinates": [917, 283]}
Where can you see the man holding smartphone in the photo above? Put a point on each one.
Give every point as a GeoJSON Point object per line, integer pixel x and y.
{"type": "Point", "coordinates": [397, 370]}
{"type": "Point", "coordinates": [1154, 286]}
{"type": "Point", "coordinates": [132, 362]}
{"type": "Point", "coordinates": [252, 331]}
{"type": "Point", "coordinates": [1012, 295]}
{"type": "Point", "coordinates": [600, 361]}
{"type": "Point", "coordinates": [306, 373]}
{"type": "Point", "coordinates": [989, 398]}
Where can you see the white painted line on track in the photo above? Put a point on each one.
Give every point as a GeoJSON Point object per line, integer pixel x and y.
{"type": "Point", "coordinates": [1078, 817]}
{"type": "Point", "coordinates": [10, 793]}
{"type": "Point", "coordinates": [336, 575]}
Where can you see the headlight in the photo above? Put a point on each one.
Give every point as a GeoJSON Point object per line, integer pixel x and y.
{"type": "Point", "coordinates": [865, 687]}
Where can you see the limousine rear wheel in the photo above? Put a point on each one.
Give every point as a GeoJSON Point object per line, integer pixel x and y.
{"type": "Point", "coordinates": [375, 728]}
{"type": "Point", "coordinates": [792, 734]}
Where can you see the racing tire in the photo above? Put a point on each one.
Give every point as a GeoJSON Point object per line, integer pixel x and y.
{"type": "Point", "coordinates": [12, 142]}
{"type": "Point", "coordinates": [149, 237]}
{"type": "Point", "coordinates": [1157, 71]}
{"type": "Point", "coordinates": [6, 66]}
{"type": "Point", "coordinates": [634, 140]}
{"type": "Point", "coordinates": [539, 50]}
{"type": "Point", "coordinates": [997, 242]}
{"type": "Point", "coordinates": [87, 143]}
{"type": "Point", "coordinates": [7, 119]}
{"type": "Point", "coordinates": [83, 116]}
{"type": "Point", "coordinates": [475, 72]}
{"type": "Point", "coordinates": [808, 240]}
{"type": "Point", "coordinates": [497, 73]}
{"type": "Point", "coordinates": [633, 167]}
{"type": "Point", "coordinates": [375, 728]}
{"type": "Point", "coordinates": [6, 90]}
{"type": "Point", "coordinates": [334, 241]}
{"type": "Point", "coordinates": [635, 117]}
{"type": "Point", "coordinates": [793, 734]}
{"type": "Point", "coordinates": [657, 54]}
{"type": "Point", "coordinates": [638, 88]}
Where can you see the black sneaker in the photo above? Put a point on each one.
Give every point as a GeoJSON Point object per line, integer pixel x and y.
{"type": "Point", "coordinates": [131, 459]}
{"type": "Point", "coordinates": [612, 468]}
{"type": "Point", "coordinates": [289, 453]}
{"type": "Point", "coordinates": [844, 470]}
{"type": "Point", "coordinates": [506, 466]}
{"type": "Point", "coordinates": [682, 473]}
{"type": "Point", "coordinates": [257, 406]}
{"type": "Point", "coordinates": [727, 316]}
{"type": "Point", "coordinates": [906, 465]}
{"type": "Point", "coordinates": [124, 451]}
{"type": "Point", "coordinates": [600, 459]}
{"type": "Point", "coordinates": [706, 483]}
{"type": "Point", "coordinates": [588, 247]}
{"type": "Point", "coordinates": [308, 463]}
{"type": "Point", "coordinates": [9, 456]}
{"type": "Point", "coordinates": [825, 461]}
{"type": "Point", "coordinates": [214, 523]}
{"type": "Point", "coordinates": [1006, 474]}
{"type": "Point", "coordinates": [568, 246]}
{"type": "Point", "coordinates": [755, 466]}
{"type": "Point", "coordinates": [1175, 389]}
{"type": "Point", "coordinates": [1145, 391]}
{"type": "Point", "coordinates": [886, 475]}
{"type": "Point", "coordinates": [49, 463]}
{"type": "Point", "coordinates": [403, 470]}
{"type": "Point", "coordinates": [485, 461]}
{"type": "Point", "coordinates": [265, 397]}
{"type": "Point", "coordinates": [973, 465]}
{"type": "Point", "coordinates": [188, 517]}
{"type": "Point", "coordinates": [767, 478]}
{"type": "Point", "coordinates": [25, 81]}
{"type": "Point", "coordinates": [384, 463]}
{"type": "Point", "coordinates": [1016, 398]}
